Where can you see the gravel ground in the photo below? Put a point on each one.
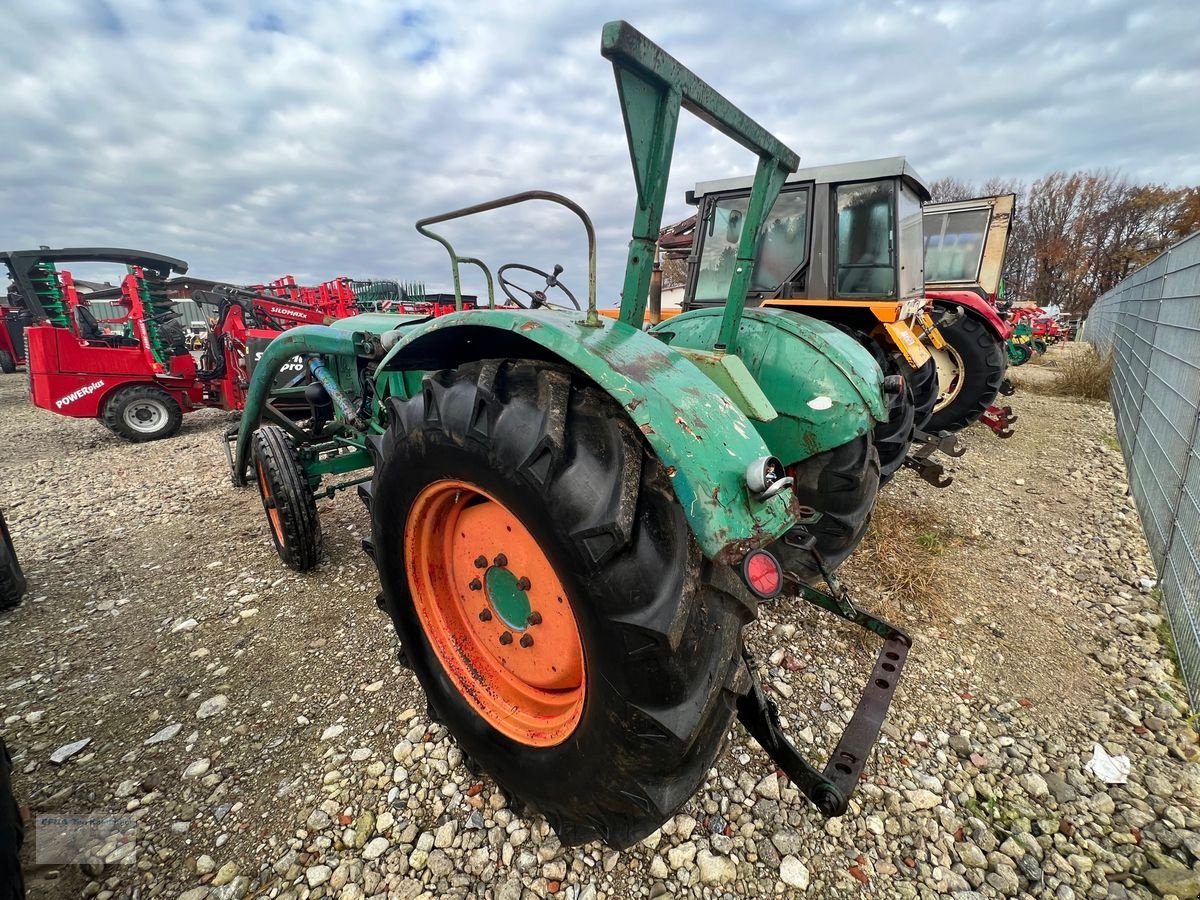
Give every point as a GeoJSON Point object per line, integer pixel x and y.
{"type": "Point", "coordinates": [255, 725]}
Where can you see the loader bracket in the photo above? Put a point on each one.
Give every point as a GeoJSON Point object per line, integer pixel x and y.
{"type": "Point", "coordinates": [1000, 419]}
{"type": "Point", "coordinates": [943, 441]}
{"type": "Point", "coordinates": [1007, 388]}
{"type": "Point", "coordinates": [830, 789]}
{"type": "Point", "coordinates": [929, 470]}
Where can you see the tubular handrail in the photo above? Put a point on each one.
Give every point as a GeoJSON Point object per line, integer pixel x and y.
{"type": "Point", "coordinates": [592, 319]}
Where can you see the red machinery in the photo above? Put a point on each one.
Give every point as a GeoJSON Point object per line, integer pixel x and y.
{"type": "Point", "coordinates": [1044, 326]}
{"type": "Point", "coordinates": [344, 297]}
{"type": "Point", "coordinates": [13, 321]}
{"type": "Point", "coordinates": [140, 383]}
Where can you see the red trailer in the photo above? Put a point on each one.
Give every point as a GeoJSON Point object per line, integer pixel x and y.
{"type": "Point", "coordinates": [140, 382]}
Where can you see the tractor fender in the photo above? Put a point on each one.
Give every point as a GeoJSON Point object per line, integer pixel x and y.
{"type": "Point", "coordinates": [825, 386]}
{"type": "Point", "coordinates": [703, 439]}
{"type": "Point", "coordinates": [977, 306]}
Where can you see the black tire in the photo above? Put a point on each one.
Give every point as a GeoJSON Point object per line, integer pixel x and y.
{"type": "Point", "coordinates": [662, 641]}
{"type": "Point", "coordinates": [841, 484]}
{"type": "Point", "coordinates": [288, 499]}
{"type": "Point", "coordinates": [12, 579]}
{"type": "Point", "coordinates": [894, 436]}
{"type": "Point", "coordinates": [142, 412]}
{"type": "Point", "coordinates": [1019, 355]}
{"type": "Point", "coordinates": [8, 365]}
{"type": "Point", "coordinates": [12, 834]}
{"type": "Point", "coordinates": [984, 362]}
{"type": "Point", "coordinates": [923, 384]}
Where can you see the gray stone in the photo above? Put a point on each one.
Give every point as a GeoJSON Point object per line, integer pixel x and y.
{"type": "Point", "coordinates": [715, 869]}
{"type": "Point", "coordinates": [972, 857]}
{"type": "Point", "coordinates": [164, 735]}
{"type": "Point", "coordinates": [1062, 791]}
{"type": "Point", "coordinates": [922, 799]}
{"type": "Point", "coordinates": [212, 706]}
{"type": "Point", "coordinates": [65, 752]}
{"type": "Point", "coordinates": [793, 873]}
{"type": "Point", "coordinates": [1035, 785]}
{"type": "Point", "coordinates": [1183, 883]}
{"type": "Point", "coordinates": [788, 843]}
{"type": "Point", "coordinates": [1004, 879]}
{"type": "Point", "coordinates": [375, 848]}
{"type": "Point", "coordinates": [961, 745]}
{"type": "Point", "coordinates": [317, 875]}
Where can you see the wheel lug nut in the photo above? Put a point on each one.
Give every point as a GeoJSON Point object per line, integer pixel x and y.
{"type": "Point", "coordinates": [476, 584]}
{"type": "Point", "coordinates": [506, 638]}
{"type": "Point", "coordinates": [527, 640]}
{"type": "Point", "coordinates": [523, 583]}
{"type": "Point", "coordinates": [535, 618]}
{"type": "Point", "coordinates": [485, 615]}
{"type": "Point", "coordinates": [501, 560]}
{"type": "Point", "coordinates": [481, 562]}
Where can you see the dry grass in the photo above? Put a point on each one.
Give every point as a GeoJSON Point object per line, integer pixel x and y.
{"type": "Point", "coordinates": [1083, 375]}
{"type": "Point", "coordinates": [903, 563]}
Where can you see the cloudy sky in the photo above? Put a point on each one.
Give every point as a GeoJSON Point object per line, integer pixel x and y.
{"type": "Point", "coordinates": [256, 139]}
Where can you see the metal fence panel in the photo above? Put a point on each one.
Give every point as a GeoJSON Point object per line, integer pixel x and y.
{"type": "Point", "coordinates": [1150, 322]}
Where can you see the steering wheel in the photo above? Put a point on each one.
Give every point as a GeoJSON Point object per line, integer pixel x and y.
{"type": "Point", "coordinates": [536, 298]}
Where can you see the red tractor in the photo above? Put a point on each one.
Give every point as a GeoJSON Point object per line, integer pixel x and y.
{"type": "Point", "coordinates": [965, 245]}
{"type": "Point", "coordinates": [141, 381]}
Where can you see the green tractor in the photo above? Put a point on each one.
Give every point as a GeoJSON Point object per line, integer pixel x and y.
{"type": "Point", "coordinates": [574, 521]}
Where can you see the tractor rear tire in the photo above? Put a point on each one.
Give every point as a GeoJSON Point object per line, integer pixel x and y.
{"type": "Point", "coordinates": [287, 498]}
{"type": "Point", "coordinates": [625, 616]}
{"type": "Point", "coordinates": [894, 437]}
{"type": "Point", "coordinates": [12, 834]}
{"type": "Point", "coordinates": [142, 412]}
{"type": "Point", "coordinates": [842, 485]}
{"type": "Point", "coordinates": [923, 383]}
{"type": "Point", "coordinates": [8, 365]}
{"type": "Point", "coordinates": [12, 579]}
{"type": "Point", "coordinates": [978, 359]}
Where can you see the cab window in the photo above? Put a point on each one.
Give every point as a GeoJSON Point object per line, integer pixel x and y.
{"type": "Point", "coordinates": [781, 250]}
{"type": "Point", "coordinates": [866, 264]}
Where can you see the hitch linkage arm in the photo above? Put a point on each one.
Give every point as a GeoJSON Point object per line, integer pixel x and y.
{"type": "Point", "coordinates": [830, 789]}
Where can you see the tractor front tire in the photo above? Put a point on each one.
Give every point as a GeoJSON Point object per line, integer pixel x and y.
{"type": "Point", "coordinates": [142, 412]}
{"type": "Point", "coordinates": [12, 579]}
{"type": "Point", "coordinates": [287, 499]}
{"type": "Point", "coordinates": [552, 598]}
{"type": "Point", "coordinates": [971, 369]}
{"type": "Point", "coordinates": [8, 365]}
{"type": "Point", "coordinates": [842, 485]}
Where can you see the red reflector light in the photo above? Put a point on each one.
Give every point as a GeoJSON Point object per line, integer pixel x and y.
{"type": "Point", "coordinates": [763, 574]}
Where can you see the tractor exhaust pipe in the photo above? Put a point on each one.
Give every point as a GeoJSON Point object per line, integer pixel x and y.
{"type": "Point", "coordinates": [654, 306]}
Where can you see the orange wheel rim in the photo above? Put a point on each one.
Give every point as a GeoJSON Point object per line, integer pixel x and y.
{"type": "Point", "coordinates": [268, 495]}
{"type": "Point", "coordinates": [495, 613]}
